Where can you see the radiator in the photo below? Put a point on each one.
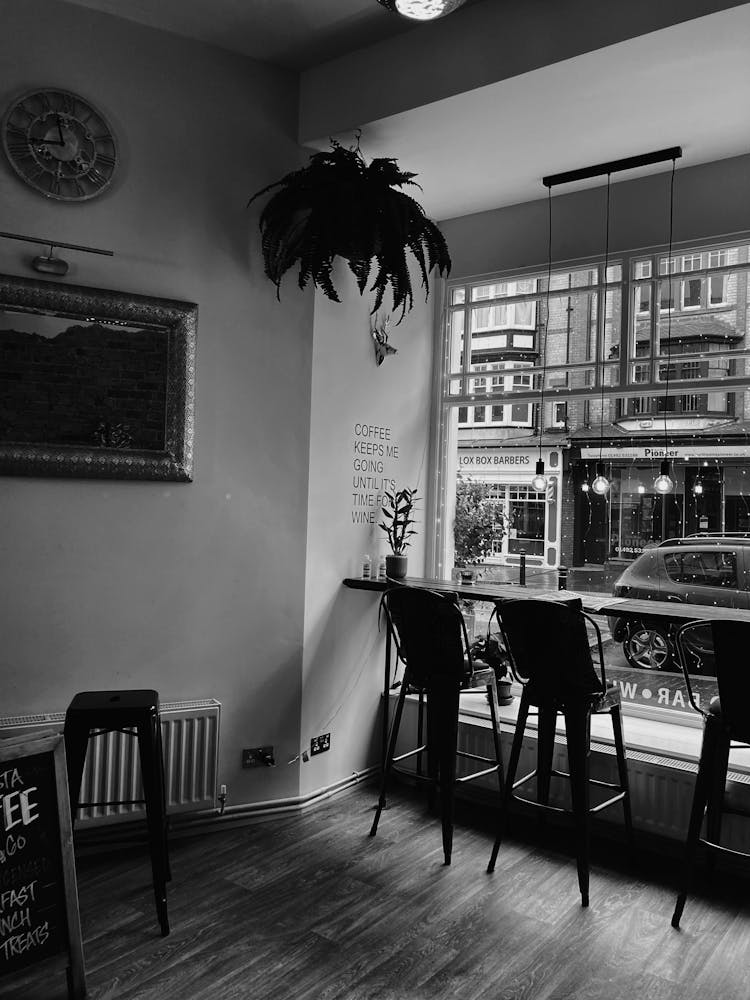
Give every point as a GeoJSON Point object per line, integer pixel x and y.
{"type": "Point", "coordinates": [190, 737]}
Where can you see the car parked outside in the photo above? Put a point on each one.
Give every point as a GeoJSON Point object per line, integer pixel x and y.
{"type": "Point", "coordinates": [699, 569]}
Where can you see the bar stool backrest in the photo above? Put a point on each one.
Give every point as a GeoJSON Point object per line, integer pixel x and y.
{"type": "Point", "coordinates": [731, 651]}
{"type": "Point", "coordinates": [430, 633]}
{"type": "Point", "coordinates": [731, 641]}
{"type": "Point", "coordinates": [549, 647]}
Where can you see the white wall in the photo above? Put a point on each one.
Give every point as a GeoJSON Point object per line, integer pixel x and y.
{"type": "Point", "coordinates": [194, 589]}
{"type": "Point", "coordinates": [343, 651]}
{"type": "Point", "coordinates": [710, 200]}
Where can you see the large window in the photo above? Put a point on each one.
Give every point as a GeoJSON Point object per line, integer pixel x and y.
{"type": "Point", "coordinates": [606, 368]}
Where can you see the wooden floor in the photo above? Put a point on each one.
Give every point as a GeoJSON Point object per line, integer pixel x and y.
{"type": "Point", "coordinates": [311, 908]}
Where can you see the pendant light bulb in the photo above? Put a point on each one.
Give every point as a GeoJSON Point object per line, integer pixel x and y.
{"type": "Point", "coordinates": [664, 483]}
{"type": "Point", "coordinates": [600, 485]}
{"type": "Point", "coordinates": [422, 10]}
{"type": "Point", "coordinates": [539, 482]}
{"type": "Point", "coordinates": [697, 488]}
{"type": "Point", "coordinates": [585, 487]}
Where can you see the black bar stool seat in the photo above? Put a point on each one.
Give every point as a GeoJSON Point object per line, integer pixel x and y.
{"type": "Point", "coordinates": [136, 713]}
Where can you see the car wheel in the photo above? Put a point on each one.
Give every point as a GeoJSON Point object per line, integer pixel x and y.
{"type": "Point", "coordinates": [646, 648]}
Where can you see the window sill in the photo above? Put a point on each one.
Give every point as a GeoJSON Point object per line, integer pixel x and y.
{"type": "Point", "coordinates": [665, 743]}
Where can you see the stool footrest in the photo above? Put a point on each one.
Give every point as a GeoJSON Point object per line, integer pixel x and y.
{"type": "Point", "coordinates": [478, 774]}
{"type": "Point", "coordinates": [725, 850]}
{"type": "Point", "coordinates": [410, 753]}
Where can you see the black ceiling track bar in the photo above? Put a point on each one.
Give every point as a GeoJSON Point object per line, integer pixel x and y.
{"type": "Point", "coordinates": [629, 163]}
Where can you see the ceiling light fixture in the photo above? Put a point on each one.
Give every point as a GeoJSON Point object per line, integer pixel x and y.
{"type": "Point", "coordinates": [663, 482]}
{"type": "Point", "coordinates": [539, 480]}
{"type": "Point", "coordinates": [422, 10]}
{"type": "Point", "coordinates": [600, 485]}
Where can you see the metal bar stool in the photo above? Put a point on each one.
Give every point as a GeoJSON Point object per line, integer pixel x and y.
{"type": "Point", "coordinates": [431, 641]}
{"type": "Point", "coordinates": [726, 726]}
{"type": "Point", "coordinates": [550, 654]}
{"type": "Point", "coordinates": [135, 713]}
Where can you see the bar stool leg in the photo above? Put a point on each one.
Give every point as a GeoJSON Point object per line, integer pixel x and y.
{"type": "Point", "coordinates": [163, 798]}
{"type": "Point", "coordinates": [76, 739]}
{"type": "Point", "coordinates": [147, 746]}
{"type": "Point", "coordinates": [388, 763]}
{"type": "Point", "coordinates": [444, 698]}
{"type": "Point", "coordinates": [700, 798]}
{"type": "Point", "coordinates": [716, 789]}
{"type": "Point", "coordinates": [515, 754]}
{"type": "Point", "coordinates": [622, 770]}
{"type": "Point", "coordinates": [547, 721]}
{"type": "Point", "coordinates": [576, 730]}
{"type": "Point", "coordinates": [496, 741]}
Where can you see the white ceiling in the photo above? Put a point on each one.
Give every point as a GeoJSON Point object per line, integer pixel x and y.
{"type": "Point", "coordinates": [686, 85]}
{"type": "Point", "coordinates": [295, 34]}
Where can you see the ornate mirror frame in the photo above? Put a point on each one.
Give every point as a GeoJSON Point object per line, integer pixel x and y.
{"type": "Point", "coordinates": [92, 312]}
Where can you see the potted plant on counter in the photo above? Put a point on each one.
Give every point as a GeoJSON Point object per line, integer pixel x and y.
{"type": "Point", "coordinates": [397, 524]}
{"type": "Point", "coordinates": [489, 649]}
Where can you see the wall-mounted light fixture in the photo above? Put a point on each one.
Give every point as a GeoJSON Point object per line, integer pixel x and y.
{"type": "Point", "coordinates": [422, 10]}
{"type": "Point", "coordinates": [49, 263]}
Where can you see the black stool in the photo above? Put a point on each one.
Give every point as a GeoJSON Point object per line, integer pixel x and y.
{"type": "Point", "coordinates": [136, 713]}
{"type": "Point", "coordinates": [431, 641]}
{"type": "Point", "coordinates": [726, 725]}
{"type": "Point", "coordinates": [550, 654]}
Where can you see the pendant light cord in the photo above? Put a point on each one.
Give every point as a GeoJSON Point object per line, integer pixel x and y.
{"type": "Point", "coordinates": [543, 345]}
{"type": "Point", "coordinates": [671, 304]}
{"type": "Point", "coordinates": [604, 326]}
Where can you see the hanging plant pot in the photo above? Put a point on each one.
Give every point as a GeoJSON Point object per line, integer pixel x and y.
{"type": "Point", "coordinates": [341, 206]}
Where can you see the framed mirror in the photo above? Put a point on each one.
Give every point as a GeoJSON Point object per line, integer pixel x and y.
{"type": "Point", "coordinates": [95, 383]}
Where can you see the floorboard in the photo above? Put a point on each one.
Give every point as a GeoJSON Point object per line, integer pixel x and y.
{"type": "Point", "coordinates": [312, 908]}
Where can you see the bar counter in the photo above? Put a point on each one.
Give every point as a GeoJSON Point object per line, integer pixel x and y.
{"type": "Point", "coordinates": [593, 603]}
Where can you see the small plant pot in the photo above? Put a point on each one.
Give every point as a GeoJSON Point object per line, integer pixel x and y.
{"type": "Point", "coordinates": [504, 697]}
{"type": "Point", "coordinates": [395, 567]}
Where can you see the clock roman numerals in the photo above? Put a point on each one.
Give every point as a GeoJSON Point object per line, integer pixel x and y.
{"type": "Point", "coordinates": [60, 145]}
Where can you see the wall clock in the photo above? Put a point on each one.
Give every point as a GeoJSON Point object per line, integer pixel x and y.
{"type": "Point", "coordinates": [59, 144]}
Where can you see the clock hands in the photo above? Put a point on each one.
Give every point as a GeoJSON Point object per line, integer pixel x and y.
{"type": "Point", "coordinates": [54, 142]}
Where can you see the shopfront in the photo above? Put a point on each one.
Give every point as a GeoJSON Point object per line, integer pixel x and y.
{"type": "Point", "coordinates": [710, 495]}
{"type": "Point", "coordinates": [531, 520]}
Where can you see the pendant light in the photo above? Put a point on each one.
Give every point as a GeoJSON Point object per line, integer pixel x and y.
{"type": "Point", "coordinates": [422, 10]}
{"type": "Point", "coordinates": [664, 484]}
{"type": "Point", "coordinates": [539, 479]}
{"type": "Point", "coordinates": [600, 485]}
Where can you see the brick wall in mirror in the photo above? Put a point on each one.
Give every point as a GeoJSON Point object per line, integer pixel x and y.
{"type": "Point", "coordinates": [95, 383]}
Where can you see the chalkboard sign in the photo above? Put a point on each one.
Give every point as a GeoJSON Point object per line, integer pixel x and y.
{"type": "Point", "coordinates": [38, 896]}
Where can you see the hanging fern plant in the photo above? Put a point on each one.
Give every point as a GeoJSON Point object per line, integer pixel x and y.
{"type": "Point", "coordinates": [339, 205]}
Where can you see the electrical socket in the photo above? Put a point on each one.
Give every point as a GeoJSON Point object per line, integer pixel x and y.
{"type": "Point", "coordinates": [258, 757]}
{"type": "Point", "coordinates": [319, 744]}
